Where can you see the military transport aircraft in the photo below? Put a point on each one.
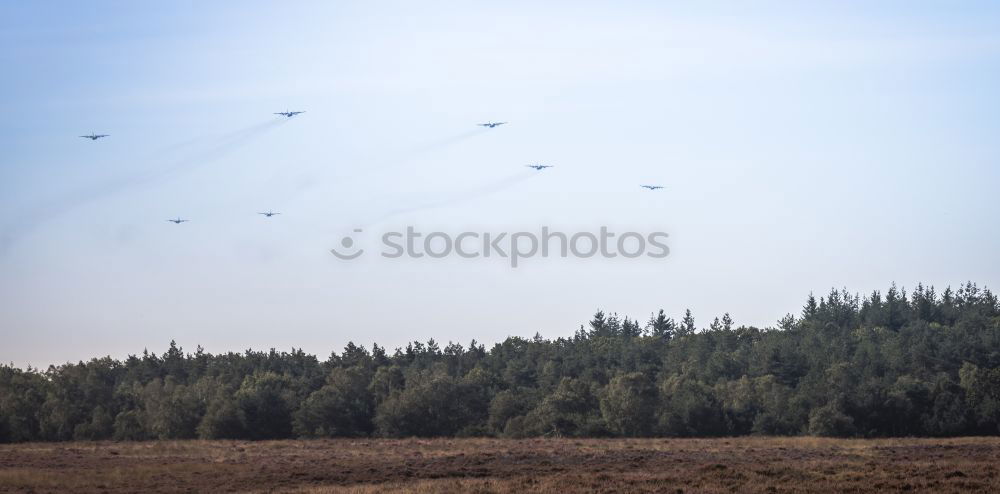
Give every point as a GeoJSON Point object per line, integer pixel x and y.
{"type": "Point", "coordinates": [651, 187]}
{"type": "Point", "coordinates": [269, 213]}
{"type": "Point", "coordinates": [94, 137]}
{"type": "Point", "coordinates": [178, 220]}
{"type": "Point", "coordinates": [491, 124]}
{"type": "Point", "coordinates": [289, 114]}
{"type": "Point", "coordinates": [539, 167]}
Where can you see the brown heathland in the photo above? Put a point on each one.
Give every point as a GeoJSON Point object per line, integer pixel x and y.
{"type": "Point", "coordinates": [507, 466]}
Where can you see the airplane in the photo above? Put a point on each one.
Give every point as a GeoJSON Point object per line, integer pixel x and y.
{"type": "Point", "coordinates": [651, 187]}
{"type": "Point", "coordinates": [94, 137]}
{"type": "Point", "coordinates": [491, 124]}
{"type": "Point", "coordinates": [178, 220]}
{"type": "Point", "coordinates": [539, 167]}
{"type": "Point", "coordinates": [289, 114]}
{"type": "Point", "coordinates": [269, 213]}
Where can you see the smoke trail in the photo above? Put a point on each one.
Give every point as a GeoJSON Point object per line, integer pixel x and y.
{"type": "Point", "coordinates": [483, 191]}
{"type": "Point", "coordinates": [222, 146]}
{"type": "Point", "coordinates": [312, 179]}
{"type": "Point", "coordinates": [448, 141]}
{"type": "Point", "coordinates": [421, 150]}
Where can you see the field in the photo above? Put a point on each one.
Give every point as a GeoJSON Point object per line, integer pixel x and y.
{"type": "Point", "coordinates": [507, 466]}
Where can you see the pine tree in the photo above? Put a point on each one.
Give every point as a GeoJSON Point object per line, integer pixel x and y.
{"type": "Point", "coordinates": [687, 324]}
{"type": "Point", "coordinates": [661, 326]}
{"type": "Point", "coordinates": [810, 310]}
{"type": "Point", "coordinates": [727, 322]}
{"type": "Point", "coordinates": [599, 324]}
{"type": "Point", "coordinates": [716, 325]}
{"type": "Point", "coordinates": [631, 328]}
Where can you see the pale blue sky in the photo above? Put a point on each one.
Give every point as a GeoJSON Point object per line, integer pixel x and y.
{"type": "Point", "coordinates": [803, 146]}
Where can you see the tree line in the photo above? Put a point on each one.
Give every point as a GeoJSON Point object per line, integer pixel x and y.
{"type": "Point", "coordinates": [884, 364]}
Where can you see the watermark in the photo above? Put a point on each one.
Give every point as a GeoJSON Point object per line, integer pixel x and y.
{"type": "Point", "coordinates": [347, 244]}
{"type": "Point", "coordinates": [514, 247]}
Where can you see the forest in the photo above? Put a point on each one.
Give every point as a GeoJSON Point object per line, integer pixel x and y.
{"type": "Point", "coordinates": [885, 364]}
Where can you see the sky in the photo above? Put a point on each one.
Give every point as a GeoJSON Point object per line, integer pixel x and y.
{"type": "Point", "coordinates": [802, 147]}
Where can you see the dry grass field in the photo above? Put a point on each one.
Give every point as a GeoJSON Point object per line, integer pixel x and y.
{"type": "Point", "coordinates": [507, 466]}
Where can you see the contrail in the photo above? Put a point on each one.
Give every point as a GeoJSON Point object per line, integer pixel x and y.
{"type": "Point", "coordinates": [221, 147]}
{"type": "Point", "coordinates": [485, 190]}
